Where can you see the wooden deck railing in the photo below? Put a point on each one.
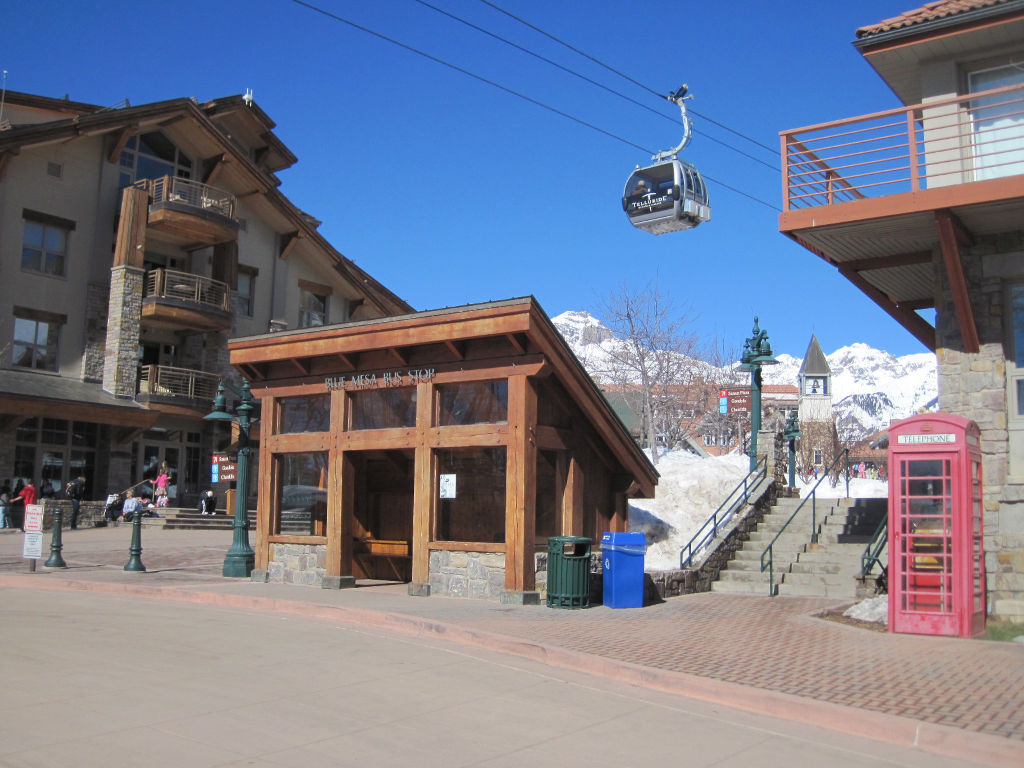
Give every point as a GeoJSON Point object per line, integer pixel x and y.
{"type": "Point", "coordinates": [941, 143]}
{"type": "Point", "coordinates": [177, 382]}
{"type": "Point", "coordinates": [170, 189]}
{"type": "Point", "coordinates": [172, 284]}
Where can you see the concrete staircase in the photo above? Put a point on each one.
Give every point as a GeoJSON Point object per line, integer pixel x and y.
{"type": "Point", "coordinates": [827, 568]}
{"type": "Point", "coordinates": [174, 519]}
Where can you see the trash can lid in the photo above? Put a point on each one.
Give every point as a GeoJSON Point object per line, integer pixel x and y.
{"type": "Point", "coordinates": [634, 538]}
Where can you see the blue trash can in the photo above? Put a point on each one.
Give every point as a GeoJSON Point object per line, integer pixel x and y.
{"type": "Point", "coordinates": [623, 558]}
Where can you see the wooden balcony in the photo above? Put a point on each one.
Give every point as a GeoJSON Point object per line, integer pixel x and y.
{"type": "Point", "coordinates": [889, 198]}
{"type": "Point", "coordinates": [177, 390]}
{"type": "Point", "coordinates": [188, 212]}
{"type": "Point", "coordinates": [183, 301]}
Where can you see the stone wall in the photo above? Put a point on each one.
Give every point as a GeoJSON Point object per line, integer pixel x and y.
{"type": "Point", "coordinates": [297, 564]}
{"type": "Point", "coordinates": [124, 321]}
{"type": "Point", "coordinates": [96, 308]}
{"type": "Point", "coordinates": [467, 574]}
{"type": "Point", "coordinates": [975, 386]}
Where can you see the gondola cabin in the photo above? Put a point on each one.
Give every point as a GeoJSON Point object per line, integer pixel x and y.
{"type": "Point", "coordinates": [666, 197]}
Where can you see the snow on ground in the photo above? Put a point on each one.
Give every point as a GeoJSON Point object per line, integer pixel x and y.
{"type": "Point", "coordinates": [690, 490]}
{"type": "Point", "coordinates": [873, 609]}
{"type": "Point", "coordinates": [860, 488]}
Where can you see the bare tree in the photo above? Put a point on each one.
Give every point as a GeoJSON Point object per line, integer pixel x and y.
{"type": "Point", "coordinates": [656, 360]}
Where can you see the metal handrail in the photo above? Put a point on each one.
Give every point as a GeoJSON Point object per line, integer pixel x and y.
{"type": "Point", "coordinates": [195, 194]}
{"type": "Point", "coordinates": [769, 551]}
{"type": "Point", "coordinates": [746, 485]}
{"type": "Point", "coordinates": [184, 286]}
{"type": "Point", "coordinates": [874, 548]}
{"type": "Point", "coordinates": [177, 382]}
{"type": "Point", "coordinates": [940, 143]}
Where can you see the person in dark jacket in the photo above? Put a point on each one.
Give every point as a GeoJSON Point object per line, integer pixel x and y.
{"type": "Point", "coordinates": [75, 490]}
{"type": "Point", "coordinates": [208, 503]}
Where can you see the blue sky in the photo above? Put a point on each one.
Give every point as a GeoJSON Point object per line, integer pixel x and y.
{"type": "Point", "coordinates": [451, 191]}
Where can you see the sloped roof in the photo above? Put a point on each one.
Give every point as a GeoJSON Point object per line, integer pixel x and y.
{"type": "Point", "coordinates": [941, 9]}
{"type": "Point", "coordinates": [815, 363]}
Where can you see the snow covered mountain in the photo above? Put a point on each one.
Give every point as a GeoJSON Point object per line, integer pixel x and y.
{"type": "Point", "coordinates": [870, 387]}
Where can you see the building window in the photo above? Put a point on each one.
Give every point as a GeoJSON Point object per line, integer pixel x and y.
{"type": "Point", "coordinates": [153, 156]}
{"type": "Point", "coordinates": [245, 292]}
{"type": "Point", "coordinates": [472, 495]}
{"type": "Point", "coordinates": [312, 308]}
{"type": "Point", "coordinates": [44, 245]}
{"type": "Point", "coordinates": [54, 451]}
{"type": "Point", "coordinates": [710, 440]}
{"type": "Point", "coordinates": [308, 413]}
{"type": "Point", "coordinates": [35, 343]}
{"type": "Point", "coordinates": [302, 499]}
{"type": "Point", "coordinates": [477, 402]}
{"type": "Point", "coordinates": [817, 456]}
{"type": "Point", "coordinates": [997, 123]}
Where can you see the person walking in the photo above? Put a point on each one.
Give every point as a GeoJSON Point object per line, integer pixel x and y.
{"type": "Point", "coordinates": [27, 495]}
{"type": "Point", "coordinates": [75, 490]}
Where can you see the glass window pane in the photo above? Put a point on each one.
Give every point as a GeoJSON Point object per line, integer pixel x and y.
{"type": "Point", "coordinates": [302, 500]}
{"type": "Point", "coordinates": [474, 509]}
{"type": "Point", "coordinates": [477, 402]}
{"type": "Point", "coordinates": [311, 413]}
{"type": "Point", "coordinates": [24, 330]}
{"type": "Point", "coordinates": [55, 239]}
{"type": "Point", "coordinates": [31, 258]}
{"type": "Point", "coordinates": [33, 234]}
{"type": "Point", "coordinates": [383, 408]}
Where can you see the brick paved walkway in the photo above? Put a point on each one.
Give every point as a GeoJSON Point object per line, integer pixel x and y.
{"type": "Point", "coordinates": [772, 644]}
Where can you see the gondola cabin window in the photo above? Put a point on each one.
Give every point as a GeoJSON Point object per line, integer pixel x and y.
{"type": "Point", "coordinates": [383, 408]}
{"type": "Point", "coordinates": [309, 413]}
{"type": "Point", "coordinates": [477, 402]}
{"type": "Point", "coordinates": [471, 491]}
{"type": "Point", "coordinates": [302, 493]}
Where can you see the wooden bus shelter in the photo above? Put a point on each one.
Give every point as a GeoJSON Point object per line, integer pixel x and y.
{"type": "Point", "coordinates": [441, 448]}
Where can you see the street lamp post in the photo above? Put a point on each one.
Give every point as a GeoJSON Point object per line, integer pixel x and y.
{"type": "Point", "coordinates": [240, 559]}
{"type": "Point", "coordinates": [791, 432]}
{"type": "Point", "coordinates": [757, 352]}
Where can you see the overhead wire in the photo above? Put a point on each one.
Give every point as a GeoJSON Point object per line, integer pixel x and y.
{"type": "Point", "coordinates": [584, 54]}
{"type": "Point", "coordinates": [593, 82]}
{"type": "Point", "coordinates": [505, 89]}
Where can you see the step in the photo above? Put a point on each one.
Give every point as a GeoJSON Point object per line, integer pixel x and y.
{"type": "Point", "coordinates": [740, 588]}
{"type": "Point", "coordinates": [801, 590]}
{"type": "Point", "coordinates": [822, 580]}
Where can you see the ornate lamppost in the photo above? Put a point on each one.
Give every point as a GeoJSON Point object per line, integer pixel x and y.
{"type": "Point", "coordinates": [757, 352]}
{"type": "Point", "coordinates": [240, 559]}
{"type": "Point", "coordinates": [791, 432]}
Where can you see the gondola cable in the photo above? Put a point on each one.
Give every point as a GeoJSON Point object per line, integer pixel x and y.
{"type": "Point", "coordinates": [593, 82]}
{"type": "Point", "coordinates": [584, 54]}
{"type": "Point", "coordinates": [524, 97]}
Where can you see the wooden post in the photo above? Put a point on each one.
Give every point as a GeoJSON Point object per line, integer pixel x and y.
{"type": "Point", "coordinates": [521, 487]}
{"type": "Point", "coordinates": [264, 493]}
{"type": "Point", "coordinates": [341, 500]}
{"type": "Point", "coordinates": [572, 499]}
{"type": "Point", "coordinates": [130, 241]}
{"type": "Point", "coordinates": [423, 492]}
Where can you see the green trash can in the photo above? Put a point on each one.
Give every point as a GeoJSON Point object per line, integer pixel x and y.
{"type": "Point", "coordinates": [569, 571]}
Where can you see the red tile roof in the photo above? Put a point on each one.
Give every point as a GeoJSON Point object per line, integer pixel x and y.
{"type": "Point", "coordinates": [930, 12]}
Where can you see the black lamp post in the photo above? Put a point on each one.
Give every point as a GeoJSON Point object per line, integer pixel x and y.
{"type": "Point", "coordinates": [240, 559]}
{"type": "Point", "coordinates": [757, 352]}
{"type": "Point", "coordinates": [791, 432]}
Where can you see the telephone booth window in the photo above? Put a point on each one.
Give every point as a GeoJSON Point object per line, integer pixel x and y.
{"type": "Point", "coordinates": [927, 530]}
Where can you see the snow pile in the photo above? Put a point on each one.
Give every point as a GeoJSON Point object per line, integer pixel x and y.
{"type": "Point", "coordinates": [874, 609]}
{"type": "Point", "coordinates": [860, 488]}
{"type": "Point", "coordinates": [689, 491]}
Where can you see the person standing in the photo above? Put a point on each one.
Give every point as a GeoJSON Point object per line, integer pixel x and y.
{"type": "Point", "coordinates": [75, 490]}
{"type": "Point", "coordinates": [5, 501]}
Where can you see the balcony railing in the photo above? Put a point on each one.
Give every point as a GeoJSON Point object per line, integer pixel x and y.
{"type": "Point", "coordinates": [184, 286]}
{"type": "Point", "coordinates": [170, 189]}
{"type": "Point", "coordinates": [952, 141]}
{"type": "Point", "coordinates": [166, 381]}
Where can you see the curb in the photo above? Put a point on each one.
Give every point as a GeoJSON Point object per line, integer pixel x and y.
{"type": "Point", "coordinates": [893, 729]}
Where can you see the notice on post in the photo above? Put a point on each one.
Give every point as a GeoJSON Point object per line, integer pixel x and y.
{"type": "Point", "coordinates": [33, 548]}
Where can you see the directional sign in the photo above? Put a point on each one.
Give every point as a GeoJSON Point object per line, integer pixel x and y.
{"type": "Point", "coordinates": [739, 400]}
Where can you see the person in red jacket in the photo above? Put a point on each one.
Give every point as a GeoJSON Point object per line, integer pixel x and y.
{"type": "Point", "coordinates": [26, 496]}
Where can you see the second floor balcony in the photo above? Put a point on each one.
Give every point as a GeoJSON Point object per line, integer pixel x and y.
{"type": "Point", "coordinates": [183, 301]}
{"type": "Point", "coordinates": [890, 196]}
{"type": "Point", "coordinates": [187, 211]}
{"type": "Point", "coordinates": [179, 390]}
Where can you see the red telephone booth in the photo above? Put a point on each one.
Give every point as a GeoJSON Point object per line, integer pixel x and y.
{"type": "Point", "coordinates": [936, 554]}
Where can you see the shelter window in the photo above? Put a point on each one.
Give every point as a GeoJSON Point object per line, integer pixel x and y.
{"type": "Point", "coordinates": [302, 495]}
{"type": "Point", "coordinates": [473, 509]}
{"type": "Point", "coordinates": [308, 413]}
{"type": "Point", "coordinates": [477, 402]}
{"type": "Point", "coordinates": [383, 408]}
{"type": "Point", "coordinates": [548, 515]}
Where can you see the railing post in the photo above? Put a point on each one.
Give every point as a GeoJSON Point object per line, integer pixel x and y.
{"type": "Point", "coordinates": [814, 515]}
{"type": "Point", "coordinates": [912, 151]}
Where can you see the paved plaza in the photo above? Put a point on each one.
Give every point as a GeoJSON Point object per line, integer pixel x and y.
{"type": "Point", "coordinates": [766, 664]}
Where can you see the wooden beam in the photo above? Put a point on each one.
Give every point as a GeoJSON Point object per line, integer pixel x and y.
{"type": "Point", "coordinates": [213, 167]}
{"type": "Point", "coordinates": [288, 243]}
{"type": "Point", "coordinates": [10, 422]}
{"type": "Point", "coordinates": [347, 360]}
{"type": "Point", "coordinates": [888, 262]}
{"type": "Point", "coordinates": [458, 350]}
{"type": "Point", "coordinates": [119, 141]}
{"type": "Point", "coordinates": [516, 342]}
{"type": "Point", "coordinates": [251, 371]}
{"type": "Point", "coordinates": [303, 367]}
{"type": "Point", "coordinates": [267, 497]}
{"type": "Point", "coordinates": [424, 490]}
{"type": "Point", "coordinates": [951, 235]}
{"type": "Point", "coordinates": [572, 497]}
{"type": "Point", "coordinates": [400, 356]}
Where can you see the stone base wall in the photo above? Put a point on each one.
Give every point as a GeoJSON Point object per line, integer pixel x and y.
{"type": "Point", "coordinates": [297, 564]}
{"type": "Point", "coordinates": [467, 574]}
